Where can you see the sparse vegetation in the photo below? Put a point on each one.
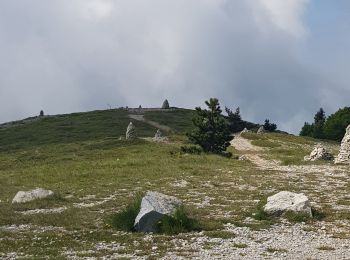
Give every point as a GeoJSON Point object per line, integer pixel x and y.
{"type": "Point", "coordinates": [124, 220]}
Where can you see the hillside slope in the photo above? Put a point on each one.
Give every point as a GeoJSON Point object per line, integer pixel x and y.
{"type": "Point", "coordinates": [95, 175]}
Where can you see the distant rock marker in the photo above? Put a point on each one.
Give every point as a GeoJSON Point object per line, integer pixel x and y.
{"type": "Point", "coordinates": [130, 132]}
{"type": "Point", "coordinates": [26, 196]}
{"type": "Point", "coordinates": [165, 104]}
{"type": "Point", "coordinates": [261, 130]}
{"type": "Point", "coordinates": [319, 153]}
{"type": "Point", "coordinates": [158, 137]}
{"type": "Point", "coordinates": [41, 113]}
{"type": "Point", "coordinates": [344, 153]}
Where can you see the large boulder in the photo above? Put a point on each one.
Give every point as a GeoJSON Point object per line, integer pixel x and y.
{"type": "Point", "coordinates": [319, 153]}
{"type": "Point", "coordinates": [165, 104]}
{"type": "Point", "coordinates": [26, 196]}
{"type": "Point", "coordinates": [344, 153]}
{"type": "Point", "coordinates": [285, 201]}
{"type": "Point", "coordinates": [154, 206]}
{"type": "Point", "coordinates": [130, 132]}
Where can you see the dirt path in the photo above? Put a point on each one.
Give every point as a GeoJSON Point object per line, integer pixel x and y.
{"type": "Point", "coordinates": [152, 123]}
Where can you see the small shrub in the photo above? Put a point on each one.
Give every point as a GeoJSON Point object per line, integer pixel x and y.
{"type": "Point", "coordinates": [297, 217]}
{"type": "Point", "coordinates": [240, 245]}
{"type": "Point", "coordinates": [180, 222]}
{"type": "Point", "coordinates": [326, 248]}
{"type": "Point", "coordinates": [124, 220]}
{"type": "Point", "coordinates": [192, 149]}
{"type": "Point", "coordinates": [317, 215]}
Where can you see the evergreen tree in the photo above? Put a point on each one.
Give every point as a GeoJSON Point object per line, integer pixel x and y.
{"type": "Point", "coordinates": [320, 117]}
{"type": "Point", "coordinates": [270, 127]}
{"type": "Point", "coordinates": [211, 131]}
{"type": "Point", "coordinates": [234, 119]}
{"type": "Point", "coordinates": [41, 113]}
{"type": "Point", "coordinates": [306, 130]}
{"type": "Point", "coordinates": [335, 126]}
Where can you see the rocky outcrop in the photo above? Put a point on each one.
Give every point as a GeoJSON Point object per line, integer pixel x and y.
{"type": "Point", "coordinates": [154, 206]}
{"type": "Point", "coordinates": [285, 201]}
{"type": "Point", "coordinates": [261, 130]}
{"type": "Point", "coordinates": [165, 104]}
{"type": "Point", "coordinates": [26, 196]}
{"type": "Point", "coordinates": [319, 153]}
{"type": "Point", "coordinates": [344, 153]}
{"type": "Point", "coordinates": [130, 132]}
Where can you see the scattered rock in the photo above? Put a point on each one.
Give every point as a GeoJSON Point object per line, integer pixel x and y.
{"type": "Point", "coordinates": [319, 153]}
{"type": "Point", "coordinates": [180, 184]}
{"type": "Point", "coordinates": [261, 130]}
{"type": "Point", "coordinates": [130, 132]}
{"type": "Point", "coordinates": [154, 206]}
{"type": "Point", "coordinates": [165, 104]}
{"type": "Point", "coordinates": [242, 158]}
{"type": "Point", "coordinates": [287, 201]}
{"type": "Point", "coordinates": [344, 153]}
{"type": "Point", "coordinates": [26, 196]}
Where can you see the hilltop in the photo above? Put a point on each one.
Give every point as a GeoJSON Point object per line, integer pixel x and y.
{"type": "Point", "coordinates": [95, 174]}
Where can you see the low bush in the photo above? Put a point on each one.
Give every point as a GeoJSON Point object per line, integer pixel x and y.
{"type": "Point", "coordinates": [191, 149]}
{"type": "Point", "coordinates": [124, 220]}
{"type": "Point", "coordinates": [180, 222]}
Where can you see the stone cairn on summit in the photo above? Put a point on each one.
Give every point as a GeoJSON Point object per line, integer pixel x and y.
{"type": "Point", "coordinates": [158, 137]}
{"type": "Point", "coordinates": [261, 130]}
{"type": "Point", "coordinates": [165, 104]}
{"type": "Point", "coordinates": [344, 154]}
{"type": "Point", "coordinates": [130, 132]}
{"type": "Point", "coordinates": [319, 153]}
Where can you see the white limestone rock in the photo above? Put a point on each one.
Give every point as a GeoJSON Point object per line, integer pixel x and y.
{"type": "Point", "coordinates": [261, 130]}
{"type": "Point", "coordinates": [26, 196]}
{"type": "Point", "coordinates": [344, 153]}
{"type": "Point", "coordinates": [154, 206]}
{"type": "Point", "coordinates": [130, 132]}
{"type": "Point", "coordinates": [285, 201]}
{"type": "Point", "coordinates": [319, 153]}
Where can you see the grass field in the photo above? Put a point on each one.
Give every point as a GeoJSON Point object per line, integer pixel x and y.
{"type": "Point", "coordinates": [95, 175]}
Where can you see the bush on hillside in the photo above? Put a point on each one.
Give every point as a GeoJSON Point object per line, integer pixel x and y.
{"type": "Point", "coordinates": [270, 127]}
{"type": "Point", "coordinates": [234, 119]}
{"type": "Point", "coordinates": [211, 131]}
{"type": "Point", "coordinates": [335, 126]}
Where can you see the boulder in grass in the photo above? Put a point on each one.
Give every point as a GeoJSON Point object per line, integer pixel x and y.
{"type": "Point", "coordinates": [154, 206]}
{"type": "Point", "coordinates": [319, 153]}
{"type": "Point", "coordinates": [285, 201]}
{"type": "Point", "coordinates": [26, 196]}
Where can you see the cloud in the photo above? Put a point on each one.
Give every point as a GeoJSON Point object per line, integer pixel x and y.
{"type": "Point", "coordinates": [64, 56]}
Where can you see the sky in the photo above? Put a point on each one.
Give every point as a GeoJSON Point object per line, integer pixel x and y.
{"type": "Point", "coordinates": [280, 60]}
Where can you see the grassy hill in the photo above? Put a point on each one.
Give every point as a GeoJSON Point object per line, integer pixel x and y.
{"type": "Point", "coordinates": [94, 174]}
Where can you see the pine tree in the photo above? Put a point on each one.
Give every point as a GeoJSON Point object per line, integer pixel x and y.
{"type": "Point", "coordinates": [235, 120]}
{"type": "Point", "coordinates": [269, 126]}
{"type": "Point", "coordinates": [211, 131]}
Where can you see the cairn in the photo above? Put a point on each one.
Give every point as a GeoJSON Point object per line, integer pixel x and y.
{"type": "Point", "coordinates": [158, 137]}
{"type": "Point", "coordinates": [319, 153]}
{"type": "Point", "coordinates": [261, 130]}
{"type": "Point", "coordinates": [344, 153]}
{"type": "Point", "coordinates": [130, 132]}
{"type": "Point", "coordinates": [165, 104]}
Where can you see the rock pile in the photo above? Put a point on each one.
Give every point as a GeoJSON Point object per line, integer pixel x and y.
{"type": "Point", "coordinates": [261, 130]}
{"type": "Point", "coordinates": [154, 206]}
{"type": "Point", "coordinates": [158, 137]}
{"type": "Point", "coordinates": [165, 104]}
{"type": "Point", "coordinates": [319, 153]}
{"type": "Point", "coordinates": [26, 196]}
{"type": "Point", "coordinates": [130, 132]}
{"type": "Point", "coordinates": [285, 201]}
{"type": "Point", "coordinates": [344, 154]}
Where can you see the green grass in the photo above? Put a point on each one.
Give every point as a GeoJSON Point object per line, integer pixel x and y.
{"type": "Point", "coordinates": [124, 220]}
{"type": "Point", "coordinates": [220, 234]}
{"type": "Point", "coordinates": [240, 245]}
